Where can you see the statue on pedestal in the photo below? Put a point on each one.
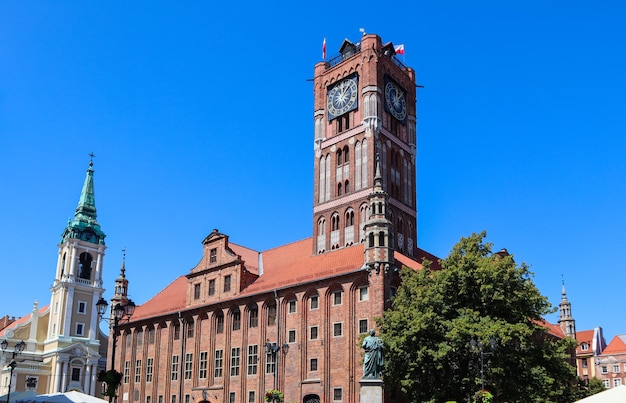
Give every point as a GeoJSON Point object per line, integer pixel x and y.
{"type": "Point", "coordinates": [373, 363]}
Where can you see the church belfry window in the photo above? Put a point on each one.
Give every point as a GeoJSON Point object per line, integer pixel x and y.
{"type": "Point", "coordinates": [84, 264]}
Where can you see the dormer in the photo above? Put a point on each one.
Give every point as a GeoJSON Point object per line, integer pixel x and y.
{"type": "Point", "coordinates": [220, 273]}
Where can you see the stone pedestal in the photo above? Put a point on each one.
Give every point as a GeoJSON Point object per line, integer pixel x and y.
{"type": "Point", "coordinates": [371, 391]}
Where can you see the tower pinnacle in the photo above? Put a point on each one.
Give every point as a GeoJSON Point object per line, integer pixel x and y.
{"type": "Point", "coordinates": [85, 226]}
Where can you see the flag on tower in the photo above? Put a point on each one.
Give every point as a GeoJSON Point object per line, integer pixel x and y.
{"type": "Point", "coordinates": [399, 49]}
{"type": "Point", "coordinates": [324, 49]}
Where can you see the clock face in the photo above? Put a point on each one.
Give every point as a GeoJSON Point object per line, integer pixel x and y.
{"type": "Point", "coordinates": [342, 97]}
{"type": "Point", "coordinates": [395, 100]}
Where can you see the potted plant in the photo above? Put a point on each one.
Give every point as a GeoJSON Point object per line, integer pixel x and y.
{"type": "Point", "coordinates": [274, 396]}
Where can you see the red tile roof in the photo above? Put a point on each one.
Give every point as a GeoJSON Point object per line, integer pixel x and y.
{"type": "Point", "coordinates": [284, 266]}
{"type": "Point", "coordinates": [616, 346]}
{"type": "Point", "coordinates": [584, 336]}
{"type": "Point", "coordinates": [552, 328]}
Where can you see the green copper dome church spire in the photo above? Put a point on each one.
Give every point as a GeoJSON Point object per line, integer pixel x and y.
{"type": "Point", "coordinates": [85, 226]}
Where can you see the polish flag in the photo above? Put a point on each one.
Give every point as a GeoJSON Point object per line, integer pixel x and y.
{"type": "Point", "coordinates": [399, 49]}
{"type": "Point", "coordinates": [324, 49]}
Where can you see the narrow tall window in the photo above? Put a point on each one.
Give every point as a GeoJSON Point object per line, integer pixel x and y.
{"type": "Point", "coordinates": [234, 361]}
{"type": "Point", "coordinates": [227, 283]}
{"type": "Point", "coordinates": [137, 371]}
{"type": "Point", "coordinates": [270, 363]}
{"type": "Point", "coordinates": [271, 315]}
{"type": "Point", "coordinates": [219, 362]}
{"type": "Point", "coordinates": [253, 320]}
{"type": "Point", "coordinates": [174, 372]}
{"type": "Point", "coordinates": [211, 287]}
{"type": "Point", "coordinates": [190, 328]}
{"type": "Point", "coordinates": [188, 365]}
{"type": "Point", "coordinates": [253, 356]}
{"type": "Point", "coordinates": [196, 291]}
{"type": "Point", "coordinates": [213, 255]}
{"type": "Point", "coordinates": [203, 365]}
{"type": "Point", "coordinates": [236, 320]}
{"type": "Point", "coordinates": [219, 324]}
{"type": "Point", "coordinates": [126, 371]}
{"type": "Point", "coordinates": [149, 369]}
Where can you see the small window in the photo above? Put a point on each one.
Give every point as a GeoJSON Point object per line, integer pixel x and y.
{"type": "Point", "coordinates": [176, 331]}
{"type": "Point", "coordinates": [151, 336]}
{"type": "Point", "coordinates": [188, 365]}
{"type": "Point", "coordinates": [337, 329]}
{"type": "Point", "coordinates": [337, 394]}
{"type": "Point", "coordinates": [314, 302]}
{"type": "Point", "coordinates": [148, 399]}
{"type": "Point", "coordinates": [364, 294]}
{"type": "Point", "coordinates": [190, 328]}
{"type": "Point", "coordinates": [313, 364]}
{"type": "Point", "coordinates": [292, 306]}
{"type": "Point", "coordinates": [253, 318]}
{"type": "Point", "coordinates": [213, 255]}
{"type": "Point", "coordinates": [604, 369]}
{"type": "Point", "coordinates": [584, 363]}
{"type": "Point", "coordinates": [126, 371]}
{"type": "Point", "coordinates": [186, 398]}
{"type": "Point", "coordinates": [313, 333]}
{"type": "Point", "coordinates": [196, 291]}
{"type": "Point", "coordinates": [617, 382]}
{"type": "Point", "coordinates": [173, 398]}
{"type": "Point", "coordinates": [251, 396]}
{"type": "Point", "coordinates": [220, 324]}
{"type": "Point", "coordinates": [80, 329]}
{"type": "Point", "coordinates": [253, 358]}
{"type": "Point", "coordinates": [584, 347]}
{"type": "Point", "coordinates": [271, 315]}
{"type": "Point", "coordinates": [363, 326]}
{"type": "Point", "coordinates": [76, 374]}
{"type": "Point", "coordinates": [82, 307]}
{"type": "Point", "coordinates": [291, 337]}
{"type": "Point", "coordinates": [227, 283]}
{"type": "Point", "coordinates": [139, 337]}
{"type": "Point", "coordinates": [337, 298]}
{"type": "Point", "coordinates": [212, 287]}
{"type": "Point", "coordinates": [236, 320]}
{"type": "Point", "coordinates": [616, 368]}
{"type": "Point", "coordinates": [606, 383]}
{"type": "Point", "coordinates": [231, 397]}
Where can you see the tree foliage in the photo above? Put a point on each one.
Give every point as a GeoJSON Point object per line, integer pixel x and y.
{"type": "Point", "coordinates": [478, 295]}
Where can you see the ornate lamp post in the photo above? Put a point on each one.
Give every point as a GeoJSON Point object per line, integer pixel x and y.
{"type": "Point", "coordinates": [17, 350]}
{"type": "Point", "coordinates": [119, 312]}
{"type": "Point", "coordinates": [272, 349]}
{"type": "Point", "coordinates": [477, 345]}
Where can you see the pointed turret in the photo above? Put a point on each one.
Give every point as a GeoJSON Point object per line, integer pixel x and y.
{"type": "Point", "coordinates": [85, 225]}
{"type": "Point", "coordinates": [566, 321]}
{"type": "Point", "coordinates": [120, 295]}
{"type": "Point", "coordinates": [378, 228]}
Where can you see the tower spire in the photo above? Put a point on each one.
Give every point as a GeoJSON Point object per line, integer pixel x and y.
{"type": "Point", "coordinates": [566, 321]}
{"type": "Point", "coordinates": [85, 226]}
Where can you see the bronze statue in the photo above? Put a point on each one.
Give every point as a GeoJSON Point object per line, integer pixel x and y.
{"type": "Point", "coordinates": [374, 362]}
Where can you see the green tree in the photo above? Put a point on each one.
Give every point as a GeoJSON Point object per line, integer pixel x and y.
{"type": "Point", "coordinates": [478, 295]}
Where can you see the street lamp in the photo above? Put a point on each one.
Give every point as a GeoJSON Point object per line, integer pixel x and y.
{"type": "Point", "coordinates": [17, 350]}
{"type": "Point", "coordinates": [477, 345]}
{"type": "Point", "coordinates": [272, 350]}
{"type": "Point", "coordinates": [119, 312]}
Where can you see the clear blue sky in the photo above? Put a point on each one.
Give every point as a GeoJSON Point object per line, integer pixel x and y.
{"type": "Point", "coordinates": [200, 115]}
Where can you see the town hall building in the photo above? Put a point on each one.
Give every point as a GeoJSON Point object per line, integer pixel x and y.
{"type": "Point", "coordinates": [291, 318]}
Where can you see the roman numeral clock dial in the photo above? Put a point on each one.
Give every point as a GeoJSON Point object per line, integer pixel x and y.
{"type": "Point", "coordinates": [395, 100]}
{"type": "Point", "coordinates": [342, 97]}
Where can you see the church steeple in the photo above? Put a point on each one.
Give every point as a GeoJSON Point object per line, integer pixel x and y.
{"type": "Point", "coordinates": [85, 225]}
{"type": "Point", "coordinates": [566, 321]}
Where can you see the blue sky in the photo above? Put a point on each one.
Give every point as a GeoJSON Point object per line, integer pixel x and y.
{"type": "Point", "coordinates": [200, 116]}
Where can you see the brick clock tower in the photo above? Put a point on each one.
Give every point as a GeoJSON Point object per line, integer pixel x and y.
{"type": "Point", "coordinates": [365, 111]}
